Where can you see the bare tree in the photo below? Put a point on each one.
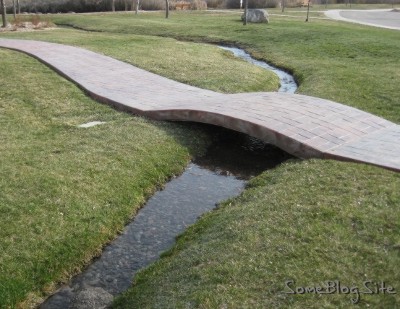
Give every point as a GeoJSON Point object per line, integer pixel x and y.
{"type": "Point", "coordinates": [3, 13]}
{"type": "Point", "coordinates": [308, 10]}
{"type": "Point", "coordinates": [166, 8]}
{"type": "Point", "coordinates": [246, 7]}
{"type": "Point", "coordinates": [14, 10]}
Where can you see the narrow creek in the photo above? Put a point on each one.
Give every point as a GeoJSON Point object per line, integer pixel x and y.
{"type": "Point", "coordinates": [287, 81]}
{"type": "Point", "coordinates": [222, 173]}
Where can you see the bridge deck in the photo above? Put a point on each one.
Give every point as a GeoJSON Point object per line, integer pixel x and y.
{"type": "Point", "coordinates": [301, 125]}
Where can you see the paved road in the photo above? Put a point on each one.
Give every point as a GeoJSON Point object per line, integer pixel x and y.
{"type": "Point", "coordinates": [389, 19]}
{"type": "Point", "coordinates": [301, 125]}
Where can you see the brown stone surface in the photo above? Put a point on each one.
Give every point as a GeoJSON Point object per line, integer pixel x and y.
{"type": "Point", "coordinates": [301, 125]}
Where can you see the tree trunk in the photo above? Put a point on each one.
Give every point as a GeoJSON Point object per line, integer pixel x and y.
{"type": "Point", "coordinates": [166, 8]}
{"type": "Point", "coordinates": [3, 13]}
{"type": "Point", "coordinates": [283, 6]}
{"type": "Point", "coordinates": [126, 5]}
{"type": "Point", "coordinates": [18, 8]}
{"type": "Point", "coordinates": [246, 6]}
{"type": "Point", "coordinates": [14, 10]}
{"type": "Point", "coordinates": [113, 5]}
{"type": "Point", "coordinates": [137, 6]}
{"type": "Point", "coordinates": [308, 10]}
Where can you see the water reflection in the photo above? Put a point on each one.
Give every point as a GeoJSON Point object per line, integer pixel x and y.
{"type": "Point", "coordinates": [220, 174]}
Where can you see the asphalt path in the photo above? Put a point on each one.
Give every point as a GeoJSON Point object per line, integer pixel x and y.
{"type": "Point", "coordinates": [389, 19]}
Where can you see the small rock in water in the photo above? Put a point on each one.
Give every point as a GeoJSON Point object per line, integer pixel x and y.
{"type": "Point", "coordinates": [91, 298]}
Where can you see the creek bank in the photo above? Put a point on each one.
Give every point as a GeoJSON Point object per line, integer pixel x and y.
{"type": "Point", "coordinates": [287, 81]}
{"type": "Point", "coordinates": [222, 173]}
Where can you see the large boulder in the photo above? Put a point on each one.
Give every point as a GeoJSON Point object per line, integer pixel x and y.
{"type": "Point", "coordinates": [256, 16]}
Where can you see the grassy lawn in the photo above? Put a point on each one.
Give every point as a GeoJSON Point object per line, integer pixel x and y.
{"type": "Point", "coordinates": [64, 190]}
{"type": "Point", "coordinates": [308, 222]}
{"type": "Point", "coordinates": [195, 64]}
{"type": "Point", "coordinates": [350, 64]}
{"type": "Point", "coordinates": [73, 189]}
{"type": "Point", "coordinates": [311, 221]}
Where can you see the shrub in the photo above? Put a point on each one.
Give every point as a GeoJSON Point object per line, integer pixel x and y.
{"type": "Point", "coordinates": [180, 5]}
{"type": "Point", "coordinates": [198, 5]}
{"type": "Point", "coordinates": [216, 4]}
{"type": "Point", "coordinates": [253, 4]}
{"type": "Point", "coordinates": [232, 4]}
{"type": "Point", "coordinates": [263, 3]}
{"type": "Point", "coordinates": [35, 20]}
{"type": "Point", "coordinates": [31, 21]}
{"type": "Point", "coordinates": [152, 5]}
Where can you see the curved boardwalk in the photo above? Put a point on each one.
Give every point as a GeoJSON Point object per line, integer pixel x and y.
{"type": "Point", "coordinates": [301, 125]}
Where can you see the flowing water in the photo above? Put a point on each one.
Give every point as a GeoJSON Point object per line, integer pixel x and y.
{"type": "Point", "coordinates": [287, 81]}
{"type": "Point", "coordinates": [222, 173]}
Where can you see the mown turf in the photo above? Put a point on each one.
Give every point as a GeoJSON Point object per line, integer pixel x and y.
{"type": "Point", "coordinates": [199, 65]}
{"type": "Point", "coordinates": [64, 190]}
{"type": "Point", "coordinates": [310, 222]}
{"type": "Point", "coordinates": [72, 189]}
{"type": "Point", "coordinates": [351, 64]}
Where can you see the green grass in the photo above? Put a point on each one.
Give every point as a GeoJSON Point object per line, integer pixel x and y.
{"type": "Point", "coordinates": [66, 191]}
{"type": "Point", "coordinates": [310, 221]}
{"type": "Point", "coordinates": [350, 64]}
{"type": "Point", "coordinates": [73, 189]}
{"type": "Point", "coordinates": [199, 65]}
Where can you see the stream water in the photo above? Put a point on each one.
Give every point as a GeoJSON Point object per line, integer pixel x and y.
{"type": "Point", "coordinates": [287, 81]}
{"type": "Point", "coordinates": [222, 173]}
